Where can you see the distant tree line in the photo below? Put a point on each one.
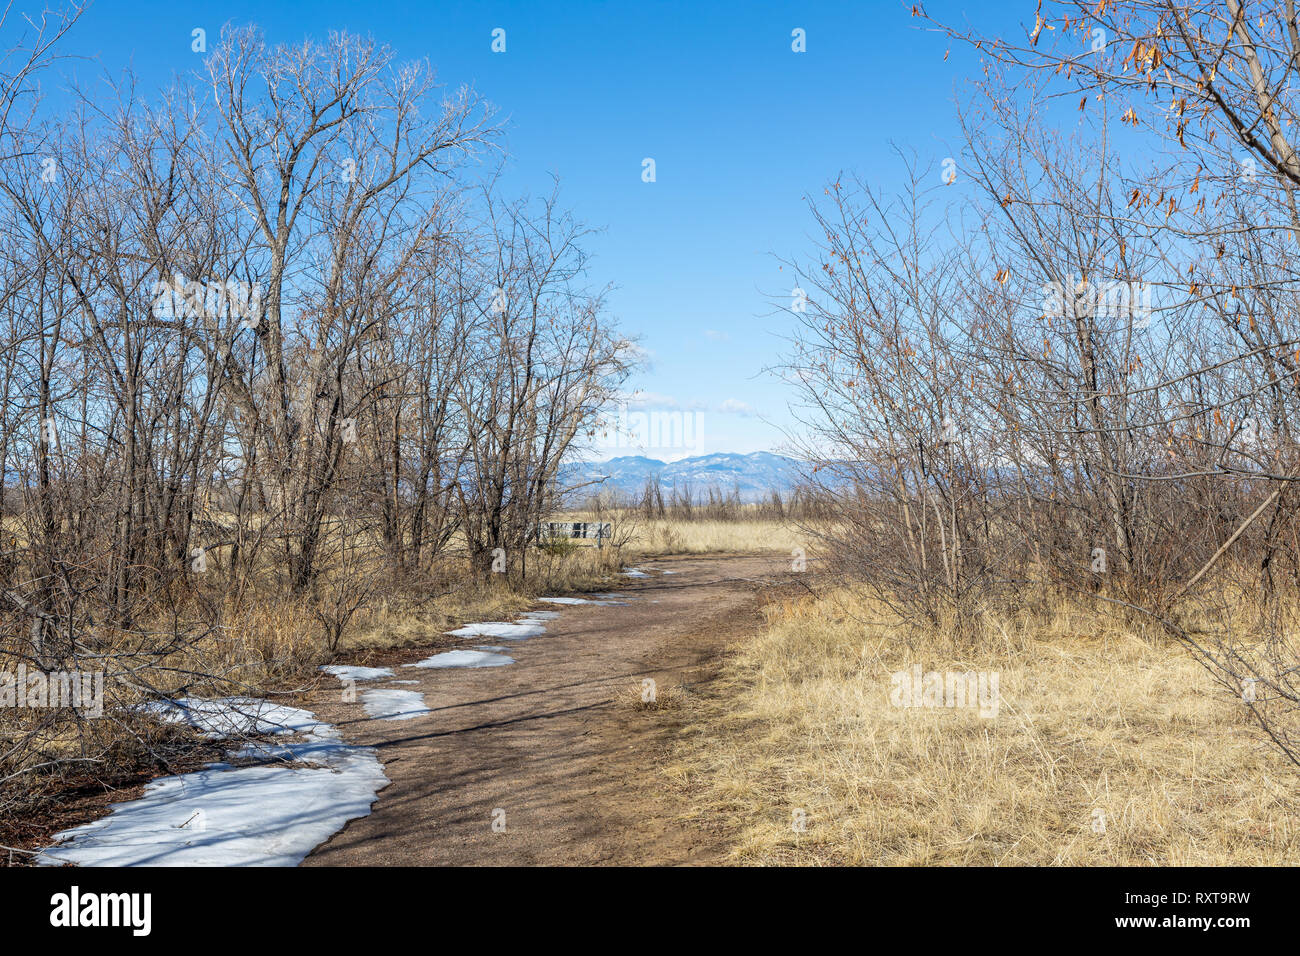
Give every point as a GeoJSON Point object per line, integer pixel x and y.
{"type": "Point", "coordinates": [682, 501]}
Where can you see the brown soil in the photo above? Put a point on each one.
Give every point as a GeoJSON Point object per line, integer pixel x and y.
{"type": "Point", "coordinates": [559, 740]}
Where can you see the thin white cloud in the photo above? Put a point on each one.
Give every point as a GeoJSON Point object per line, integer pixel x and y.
{"type": "Point", "coordinates": [733, 406]}
{"type": "Point", "coordinates": [637, 353]}
{"type": "Point", "coordinates": [642, 399]}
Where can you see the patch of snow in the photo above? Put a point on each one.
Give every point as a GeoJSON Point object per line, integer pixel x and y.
{"type": "Point", "coordinates": [539, 616]}
{"type": "Point", "coordinates": [266, 815]}
{"type": "Point", "coordinates": [233, 716]}
{"type": "Point", "coordinates": [500, 629]}
{"type": "Point", "coordinates": [385, 704]}
{"type": "Point", "coordinates": [350, 672]}
{"type": "Point", "coordinates": [594, 599]}
{"type": "Point", "coordinates": [634, 573]}
{"type": "Point", "coordinates": [464, 659]}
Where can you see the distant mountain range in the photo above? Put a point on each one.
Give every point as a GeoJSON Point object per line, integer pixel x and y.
{"type": "Point", "coordinates": [754, 475]}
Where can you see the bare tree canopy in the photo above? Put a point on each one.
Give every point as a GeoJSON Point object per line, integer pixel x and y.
{"type": "Point", "coordinates": [274, 331]}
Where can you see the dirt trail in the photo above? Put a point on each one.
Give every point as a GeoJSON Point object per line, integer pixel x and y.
{"type": "Point", "coordinates": [554, 740]}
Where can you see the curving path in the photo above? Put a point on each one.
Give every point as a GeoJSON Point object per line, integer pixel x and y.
{"type": "Point", "coordinates": [554, 742]}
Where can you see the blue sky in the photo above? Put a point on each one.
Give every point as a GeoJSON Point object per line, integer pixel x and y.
{"type": "Point", "coordinates": [741, 128]}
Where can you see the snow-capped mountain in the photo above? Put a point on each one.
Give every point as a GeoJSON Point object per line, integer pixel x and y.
{"type": "Point", "coordinates": [754, 475]}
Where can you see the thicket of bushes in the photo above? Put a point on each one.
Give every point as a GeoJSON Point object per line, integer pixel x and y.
{"type": "Point", "coordinates": [268, 338]}
{"type": "Point", "coordinates": [1067, 363]}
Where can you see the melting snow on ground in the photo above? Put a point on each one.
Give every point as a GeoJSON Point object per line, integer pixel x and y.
{"type": "Point", "coordinates": [533, 616]}
{"type": "Point", "coordinates": [500, 629]}
{"type": "Point", "coordinates": [464, 659]}
{"type": "Point", "coordinates": [601, 599]}
{"type": "Point", "coordinates": [273, 814]}
{"type": "Point", "coordinates": [265, 815]}
{"type": "Point", "coordinates": [634, 573]}
{"type": "Point", "coordinates": [350, 672]}
{"type": "Point", "coordinates": [384, 704]}
{"type": "Point", "coordinates": [232, 716]}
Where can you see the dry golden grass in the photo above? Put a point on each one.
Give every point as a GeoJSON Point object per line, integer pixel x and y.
{"type": "Point", "coordinates": [711, 537]}
{"type": "Point", "coordinates": [662, 537]}
{"type": "Point", "coordinates": [263, 644]}
{"type": "Point", "coordinates": [1095, 726]}
{"type": "Point", "coordinates": [639, 697]}
{"type": "Point", "coordinates": [453, 597]}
